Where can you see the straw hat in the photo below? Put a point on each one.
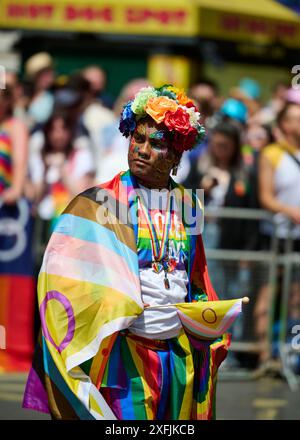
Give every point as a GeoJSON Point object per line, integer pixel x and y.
{"type": "Point", "coordinates": [38, 62]}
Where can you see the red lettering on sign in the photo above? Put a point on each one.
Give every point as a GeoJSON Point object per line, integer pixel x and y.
{"type": "Point", "coordinates": [256, 26]}
{"type": "Point", "coordinates": [88, 13]}
{"type": "Point", "coordinates": [230, 23]}
{"type": "Point", "coordinates": [140, 16]}
{"type": "Point", "coordinates": [30, 11]}
{"type": "Point", "coordinates": [285, 29]}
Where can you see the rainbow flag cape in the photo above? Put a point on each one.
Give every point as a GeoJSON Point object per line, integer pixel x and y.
{"type": "Point", "coordinates": [89, 290]}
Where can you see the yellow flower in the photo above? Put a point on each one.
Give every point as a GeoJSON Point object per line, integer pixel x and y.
{"type": "Point", "coordinates": [158, 107]}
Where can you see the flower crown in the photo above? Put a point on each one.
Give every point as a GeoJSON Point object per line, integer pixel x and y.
{"type": "Point", "coordinates": [166, 105]}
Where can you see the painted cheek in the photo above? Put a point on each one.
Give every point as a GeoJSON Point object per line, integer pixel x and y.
{"type": "Point", "coordinates": [133, 148]}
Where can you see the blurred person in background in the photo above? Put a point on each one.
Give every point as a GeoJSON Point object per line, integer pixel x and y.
{"type": "Point", "coordinates": [91, 114]}
{"type": "Point", "coordinates": [59, 170]}
{"type": "Point", "coordinates": [97, 79]}
{"type": "Point", "coordinates": [279, 174]}
{"type": "Point", "coordinates": [268, 113]}
{"type": "Point", "coordinates": [20, 95]}
{"type": "Point", "coordinates": [39, 70]}
{"type": "Point", "coordinates": [279, 183]}
{"type": "Point", "coordinates": [234, 111]}
{"type": "Point", "coordinates": [248, 91]}
{"type": "Point", "coordinates": [69, 99]}
{"type": "Point", "coordinates": [221, 173]}
{"type": "Point", "coordinates": [227, 182]}
{"type": "Point", "coordinates": [14, 145]}
{"type": "Point", "coordinates": [17, 291]}
{"type": "Point", "coordinates": [206, 94]}
{"type": "Point", "coordinates": [256, 138]}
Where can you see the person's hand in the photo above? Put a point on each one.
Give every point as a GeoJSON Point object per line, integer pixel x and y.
{"type": "Point", "coordinates": [56, 160]}
{"type": "Point", "coordinates": [208, 183]}
{"type": "Point", "coordinates": [293, 213]}
{"type": "Point", "coordinates": [11, 195]}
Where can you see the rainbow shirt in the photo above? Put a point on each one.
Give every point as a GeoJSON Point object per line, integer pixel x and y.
{"type": "Point", "coordinates": [160, 323]}
{"type": "Point", "coordinates": [178, 242]}
{"type": "Point", "coordinates": [5, 159]}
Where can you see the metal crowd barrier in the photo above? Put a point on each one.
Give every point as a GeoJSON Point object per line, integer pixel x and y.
{"type": "Point", "coordinates": [271, 260]}
{"type": "Point", "coordinates": [289, 342]}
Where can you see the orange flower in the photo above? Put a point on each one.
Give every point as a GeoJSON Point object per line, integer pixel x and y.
{"type": "Point", "coordinates": [158, 107]}
{"type": "Point", "coordinates": [181, 96]}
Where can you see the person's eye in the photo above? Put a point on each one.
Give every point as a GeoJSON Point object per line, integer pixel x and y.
{"type": "Point", "coordinates": [159, 147]}
{"type": "Point", "coordinates": [138, 138]}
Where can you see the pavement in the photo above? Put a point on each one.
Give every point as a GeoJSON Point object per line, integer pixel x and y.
{"type": "Point", "coordinates": [261, 399]}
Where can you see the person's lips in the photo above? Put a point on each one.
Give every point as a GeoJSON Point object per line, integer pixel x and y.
{"type": "Point", "coordinates": [141, 161]}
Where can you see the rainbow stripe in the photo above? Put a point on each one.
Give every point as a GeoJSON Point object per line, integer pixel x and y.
{"type": "Point", "coordinates": [17, 287]}
{"type": "Point", "coordinates": [159, 380]}
{"type": "Point", "coordinates": [89, 291]}
{"type": "Point", "coordinates": [5, 160]}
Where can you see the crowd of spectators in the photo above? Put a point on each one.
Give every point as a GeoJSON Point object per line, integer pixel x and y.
{"type": "Point", "coordinates": [59, 135]}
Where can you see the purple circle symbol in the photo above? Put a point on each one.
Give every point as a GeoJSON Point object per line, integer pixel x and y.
{"type": "Point", "coordinates": [53, 294]}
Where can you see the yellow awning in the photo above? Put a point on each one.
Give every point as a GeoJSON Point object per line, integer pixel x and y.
{"type": "Point", "coordinates": [255, 21]}
{"type": "Point", "coordinates": [147, 17]}
{"type": "Point", "coordinates": [257, 8]}
{"type": "Point", "coordinates": [261, 21]}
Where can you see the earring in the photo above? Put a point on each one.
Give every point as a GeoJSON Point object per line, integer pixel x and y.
{"type": "Point", "coordinates": [174, 170]}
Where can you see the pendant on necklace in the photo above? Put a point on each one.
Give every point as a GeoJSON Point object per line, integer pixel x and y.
{"type": "Point", "coordinates": [166, 281]}
{"type": "Point", "coordinates": [157, 266]}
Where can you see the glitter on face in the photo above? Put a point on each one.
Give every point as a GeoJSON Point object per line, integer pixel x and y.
{"type": "Point", "coordinates": [159, 135]}
{"type": "Point", "coordinates": [152, 144]}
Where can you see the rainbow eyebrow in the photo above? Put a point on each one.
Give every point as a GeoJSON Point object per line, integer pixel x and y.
{"type": "Point", "coordinates": [159, 135]}
{"type": "Point", "coordinates": [141, 130]}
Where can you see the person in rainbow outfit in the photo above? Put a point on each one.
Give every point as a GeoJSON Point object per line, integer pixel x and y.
{"type": "Point", "coordinates": [113, 344]}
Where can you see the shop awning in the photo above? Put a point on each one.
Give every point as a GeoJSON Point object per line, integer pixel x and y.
{"type": "Point", "coordinates": [258, 8]}
{"type": "Point", "coordinates": [128, 17]}
{"type": "Point", "coordinates": [261, 21]}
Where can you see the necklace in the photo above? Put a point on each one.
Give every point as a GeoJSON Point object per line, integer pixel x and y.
{"type": "Point", "coordinates": [160, 253]}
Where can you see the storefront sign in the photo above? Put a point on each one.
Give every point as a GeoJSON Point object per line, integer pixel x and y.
{"type": "Point", "coordinates": [111, 16]}
{"type": "Point", "coordinates": [238, 27]}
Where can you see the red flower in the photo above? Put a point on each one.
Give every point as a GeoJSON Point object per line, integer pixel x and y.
{"type": "Point", "coordinates": [190, 104]}
{"type": "Point", "coordinates": [178, 121]}
{"type": "Point", "coordinates": [183, 142]}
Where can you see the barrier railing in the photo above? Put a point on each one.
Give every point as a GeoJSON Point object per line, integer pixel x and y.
{"type": "Point", "coordinates": [289, 340]}
{"type": "Point", "coordinates": [272, 260]}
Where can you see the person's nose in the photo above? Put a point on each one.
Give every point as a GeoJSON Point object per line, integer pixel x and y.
{"type": "Point", "coordinates": [145, 150]}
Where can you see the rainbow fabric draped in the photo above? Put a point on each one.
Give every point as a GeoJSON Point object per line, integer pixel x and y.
{"type": "Point", "coordinates": [89, 293]}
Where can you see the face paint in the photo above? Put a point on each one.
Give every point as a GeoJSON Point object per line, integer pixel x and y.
{"type": "Point", "coordinates": [159, 135]}
{"type": "Point", "coordinates": [151, 144]}
{"type": "Point", "coordinates": [141, 129]}
{"type": "Point", "coordinates": [161, 146]}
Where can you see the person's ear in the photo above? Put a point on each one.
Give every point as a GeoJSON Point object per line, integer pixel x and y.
{"type": "Point", "coordinates": [174, 170]}
{"type": "Point", "coordinates": [176, 164]}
